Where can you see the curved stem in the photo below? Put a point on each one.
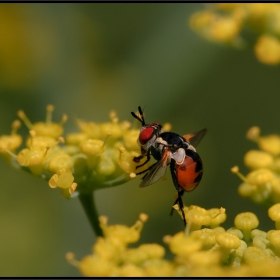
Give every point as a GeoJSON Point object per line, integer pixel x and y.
{"type": "Point", "coordinates": [88, 203]}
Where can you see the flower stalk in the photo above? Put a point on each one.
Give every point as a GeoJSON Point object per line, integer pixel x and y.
{"type": "Point", "coordinates": [88, 202]}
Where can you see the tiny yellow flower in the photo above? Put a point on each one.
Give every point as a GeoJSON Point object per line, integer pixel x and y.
{"type": "Point", "coordinates": [274, 214]}
{"type": "Point", "coordinates": [128, 270]}
{"type": "Point", "coordinates": [257, 232]}
{"type": "Point", "coordinates": [255, 159]}
{"type": "Point", "coordinates": [227, 241]}
{"type": "Point", "coordinates": [47, 128]}
{"type": "Point", "coordinates": [260, 176]}
{"type": "Point", "coordinates": [76, 138]}
{"type": "Point", "coordinates": [218, 216]}
{"type": "Point", "coordinates": [267, 49]}
{"type": "Point", "coordinates": [144, 252]}
{"type": "Point", "coordinates": [258, 11]}
{"type": "Point", "coordinates": [275, 186]}
{"type": "Point", "coordinates": [273, 237]}
{"type": "Point", "coordinates": [130, 139]}
{"type": "Point", "coordinates": [270, 144]}
{"type": "Point", "coordinates": [93, 266]}
{"type": "Point", "coordinates": [247, 190]}
{"type": "Point", "coordinates": [9, 143]}
{"type": "Point", "coordinates": [124, 233]}
{"type": "Point", "coordinates": [224, 23]}
{"type": "Point", "coordinates": [225, 29]}
{"type": "Point", "coordinates": [197, 217]}
{"type": "Point", "coordinates": [260, 242]}
{"type": "Point", "coordinates": [92, 146]}
{"type": "Point", "coordinates": [109, 249]}
{"type": "Point", "coordinates": [158, 268]}
{"type": "Point", "coordinates": [205, 259]}
{"type": "Point", "coordinates": [63, 179]}
{"type": "Point", "coordinates": [183, 245]}
{"type": "Point", "coordinates": [201, 20]}
{"type": "Point", "coordinates": [206, 236]}
{"type": "Point", "coordinates": [101, 155]}
{"type": "Point", "coordinates": [236, 231]}
{"type": "Point", "coordinates": [246, 222]}
{"type": "Point", "coordinates": [254, 255]}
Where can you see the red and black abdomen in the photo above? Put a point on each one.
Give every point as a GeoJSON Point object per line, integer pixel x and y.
{"type": "Point", "coordinates": [189, 173]}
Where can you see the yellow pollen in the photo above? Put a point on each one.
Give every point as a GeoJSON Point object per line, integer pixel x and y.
{"type": "Point", "coordinates": [61, 139]}
{"type": "Point", "coordinates": [132, 175]}
{"type": "Point", "coordinates": [143, 217]}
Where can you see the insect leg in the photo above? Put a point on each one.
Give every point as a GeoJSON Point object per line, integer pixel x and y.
{"type": "Point", "coordinates": [172, 209]}
{"type": "Point", "coordinates": [174, 177]}
{"type": "Point", "coordinates": [180, 192]}
{"type": "Point", "coordinates": [148, 158]}
{"type": "Point", "coordinates": [181, 206]}
{"type": "Point", "coordinates": [177, 200]}
{"type": "Point", "coordinates": [137, 159]}
{"type": "Point", "coordinates": [146, 169]}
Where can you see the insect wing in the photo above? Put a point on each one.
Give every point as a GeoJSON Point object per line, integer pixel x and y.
{"type": "Point", "coordinates": [195, 138]}
{"type": "Point", "coordinates": [157, 171]}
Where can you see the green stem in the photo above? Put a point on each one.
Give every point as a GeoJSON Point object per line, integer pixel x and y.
{"type": "Point", "coordinates": [88, 203]}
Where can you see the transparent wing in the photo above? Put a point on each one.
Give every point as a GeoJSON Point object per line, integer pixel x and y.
{"type": "Point", "coordinates": [157, 171]}
{"type": "Point", "coordinates": [195, 138]}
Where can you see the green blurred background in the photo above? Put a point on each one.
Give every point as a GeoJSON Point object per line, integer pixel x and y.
{"type": "Point", "coordinates": [87, 59]}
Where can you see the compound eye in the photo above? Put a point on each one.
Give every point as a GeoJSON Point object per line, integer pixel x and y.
{"type": "Point", "coordinates": [146, 135]}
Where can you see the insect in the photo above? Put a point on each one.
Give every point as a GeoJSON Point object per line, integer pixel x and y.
{"type": "Point", "coordinates": [169, 149]}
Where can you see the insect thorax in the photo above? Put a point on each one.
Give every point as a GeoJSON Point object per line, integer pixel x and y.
{"type": "Point", "coordinates": [172, 140]}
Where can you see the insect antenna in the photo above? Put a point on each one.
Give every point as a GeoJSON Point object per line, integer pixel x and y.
{"type": "Point", "coordinates": [141, 118]}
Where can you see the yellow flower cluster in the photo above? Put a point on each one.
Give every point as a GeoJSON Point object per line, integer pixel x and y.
{"type": "Point", "coordinates": [262, 184]}
{"type": "Point", "coordinates": [100, 155]}
{"type": "Point", "coordinates": [242, 250]}
{"type": "Point", "coordinates": [224, 22]}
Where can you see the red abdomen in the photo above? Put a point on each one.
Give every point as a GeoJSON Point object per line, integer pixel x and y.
{"type": "Point", "coordinates": [189, 173]}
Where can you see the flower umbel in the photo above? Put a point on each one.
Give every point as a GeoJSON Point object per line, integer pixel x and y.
{"type": "Point", "coordinates": [99, 156]}
{"type": "Point", "coordinates": [224, 23]}
{"type": "Point", "coordinates": [262, 184]}
{"type": "Point", "coordinates": [205, 248]}
{"type": "Point", "coordinates": [205, 252]}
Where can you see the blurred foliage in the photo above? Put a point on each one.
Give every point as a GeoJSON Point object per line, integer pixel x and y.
{"type": "Point", "coordinates": [87, 59]}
